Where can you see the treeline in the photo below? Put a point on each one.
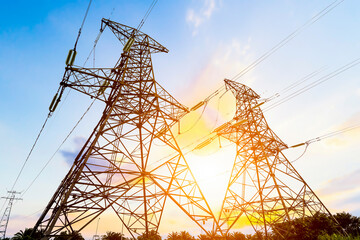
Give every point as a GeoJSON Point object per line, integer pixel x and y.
{"type": "Point", "coordinates": [317, 227]}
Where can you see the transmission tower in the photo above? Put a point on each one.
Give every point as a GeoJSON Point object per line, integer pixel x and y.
{"type": "Point", "coordinates": [119, 166]}
{"type": "Point", "coordinates": [5, 218]}
{"type": "Point", "coordinates": [264, 188]}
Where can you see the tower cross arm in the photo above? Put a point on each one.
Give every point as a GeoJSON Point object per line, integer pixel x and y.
{"type": "Point", "coordinates": [124, 33]}
{"type": "Point", "coordinates": [92, 81]}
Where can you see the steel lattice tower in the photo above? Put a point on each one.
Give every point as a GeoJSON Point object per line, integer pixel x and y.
{"type": "Point", "coordinates": [5, 218]}
{"type": "Point", "coordinates": [264, 188]}
{"type": "Point", "coordinates": [118, 168]}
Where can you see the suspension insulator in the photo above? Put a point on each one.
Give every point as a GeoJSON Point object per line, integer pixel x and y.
{"type": "Point", "coordinates": [203, 144]}
{"type": "Point", "coordinates": [197, 106]}
{"type": "Point", "coordinates": [128, 44]}
{"type": "Point", "coordinates": [258, 105]}
{"type": "Point", "coordinates": [221, 127]}
{"type": "Point", "coordinates": [70, 57]}
{"type": "Point", "coordinates": [103, 87]}
{"type": "Point", "coordinates": [54, 103]}
{"type": "Point", "coordinates": [298, 145]}
{"type": "Point", "coordinates": [240, 122]}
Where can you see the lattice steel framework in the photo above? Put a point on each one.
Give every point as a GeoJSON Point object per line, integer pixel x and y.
{"type": "Point", "coordinates": [118, 168]}
{"type": "Point", "coordinates": [5, 217]}
{"type": "Point", "coordinates": [264, 188]}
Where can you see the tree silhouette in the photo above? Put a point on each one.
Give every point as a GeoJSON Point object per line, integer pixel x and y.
{"type": "Point", "coordinates": [349, 223]}
{"type": "Point", "coordinates": [113, 236]}
{"type": "Point", "coordinates": [27, 234]}
{"type": "Point", "coordinates": [69, 236]}
{"type": "Point", "coordinates": [152, 235]}
{"type": "Point", "coordinates": [183, 235]}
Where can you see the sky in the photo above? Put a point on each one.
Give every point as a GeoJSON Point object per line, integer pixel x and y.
{"type": "Point", "coordinates": [208, 41]}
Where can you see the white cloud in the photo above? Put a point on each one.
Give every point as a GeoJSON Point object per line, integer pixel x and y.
{"type": "Point", "coordinates": [352, 133]}
{"type": "Point", "coordinates": [197, 17]}
{"type": "Point", "coordinates": [342, 193]}
{"type": "Point", "coordinates": [228, 59]}
{"type": "Point", "coordinates": [342, 184]}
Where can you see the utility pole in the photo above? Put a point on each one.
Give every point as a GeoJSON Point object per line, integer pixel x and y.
{"type": "Point", "coordinates": [96, 236]}
{"type": "Point", "coordinates": [5, 218]}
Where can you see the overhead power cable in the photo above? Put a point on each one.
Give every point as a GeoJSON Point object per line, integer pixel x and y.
{"type": "Point", "coordinates": [62, 143]}
{"type": "Point", "coordinates": [92, 51]}
{"type": "Point", "coordinates": [301, 81]}
{"type": "Point", "coordinates": [287, 39]}
{"type": "Point", "coordinates": [296, 84]}
{"type": "Point", "coordinates": [283, 42]}
{"type": "Point", "coordinates": [49, 115]}
{"type": "Point", "coordinates": [307, 143]}
{"type": "Point", "coordinates": [306, 88]}
{"type": "Point", "coordinates": [82, 24]}
{"type": "Point", "coordinates": [314, 84]}
{"type": "Point", "coordinates": [143, 20]}
{"type": "Point", "coordinates": [328, 135]}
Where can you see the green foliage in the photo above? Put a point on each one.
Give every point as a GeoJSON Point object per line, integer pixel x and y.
{"type": "Point", "coordinates": [27, 234]}
{"type": "Point", "coordinates": [153, 235]}
{"type": "Point", "coordinates": [69, 236]}
{"type": "Point", "coordinates": [113, 236]}
{"type": "Point", "coordinates": [183, 235]}
{"type": "Point", "coordinates": [236, 236]}
{"type": "Point", "coordinates": [349, 223]}
{"type": "Point", "coordinates": [337, 237]}
{"type": "Point", "coordinates": [307, 228]}
{"type": "Point", "coordinates": [320, 226]}
{"type": "Point", "coordinates": [214, 236]}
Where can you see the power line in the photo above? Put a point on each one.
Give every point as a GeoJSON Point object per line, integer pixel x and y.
{"type": "Point", "coordinates": [283, 42]}
{"type": "Point", "coordinates": [146, 15]}
{"type": "Point", "coordinates": [92, 50]}
{"type": "Point", "coordinates": [314, 84]}
{"type": "Point", "coordinates": [29, 154]}
{"type": "Point", "coordinates": [62, 143]}
{"type": "Point", "coordinates": [287, 39]}
{"type": "Point", "coordinates": [49, 115]}
{"type": "Point", "coordinates": [82, 25]}
{"type": "Point", "coordinates": [302, 80]}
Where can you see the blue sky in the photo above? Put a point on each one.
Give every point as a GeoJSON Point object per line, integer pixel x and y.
{"type": "Point", "coordinates": [209, 40]}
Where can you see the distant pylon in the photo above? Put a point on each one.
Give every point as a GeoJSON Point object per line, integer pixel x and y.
{"type": "Point", "coordinates": [120, 168]}
{"type": "Point", "coordinates": [264, 188]}
{"type": "Point", "coordinates": [5, 218]}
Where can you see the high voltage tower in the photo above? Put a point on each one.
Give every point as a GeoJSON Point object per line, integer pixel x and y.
{"type": "Point", "coordinates": [5, 218]}
{"type": "Point", "coordinates": [117, 169]}
{"type": "Point", "coordinates": [264, 188]}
